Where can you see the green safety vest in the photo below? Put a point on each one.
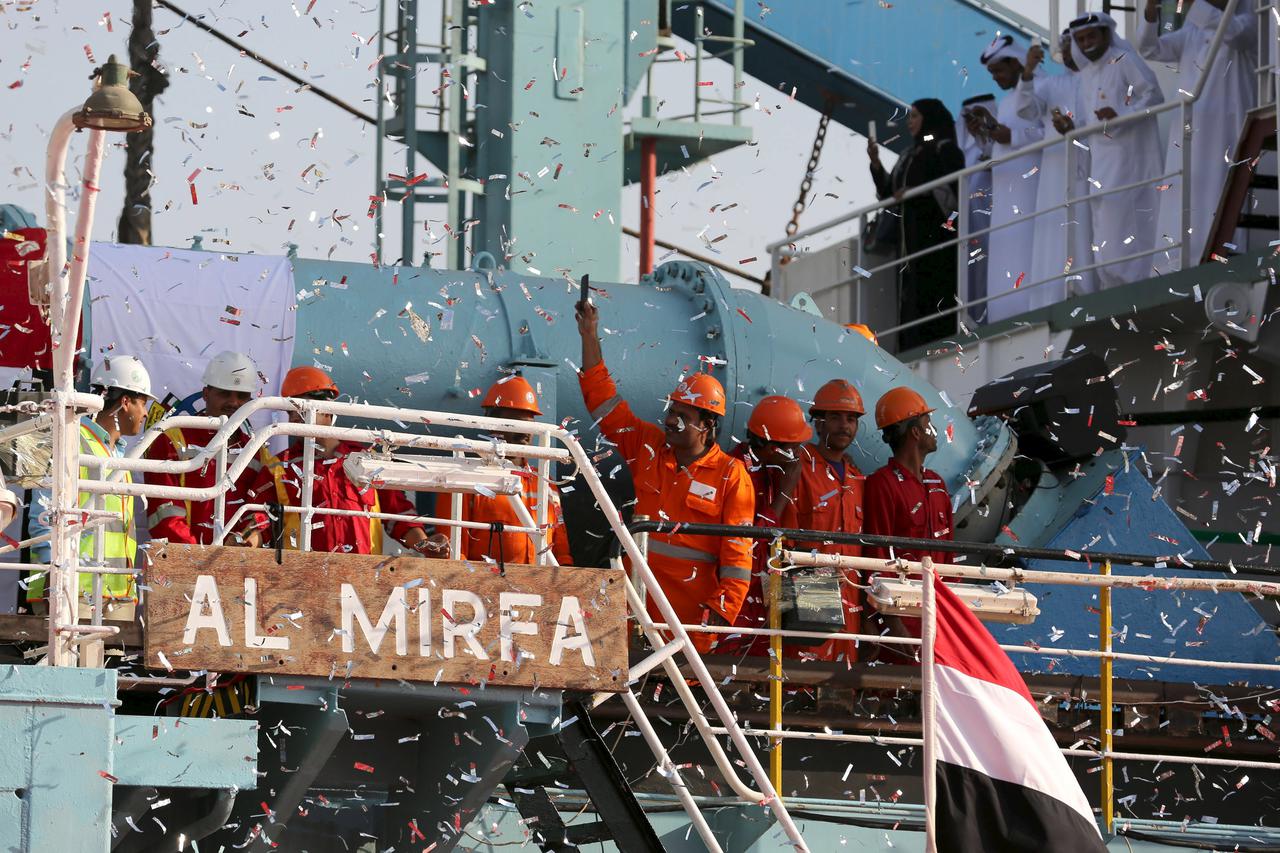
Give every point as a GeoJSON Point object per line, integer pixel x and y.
{"type": "Point", "coordinates": [119, 546]}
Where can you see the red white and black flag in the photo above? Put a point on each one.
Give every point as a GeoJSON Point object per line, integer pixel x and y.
{"type": "Point", "coordinates": [1001, 782]}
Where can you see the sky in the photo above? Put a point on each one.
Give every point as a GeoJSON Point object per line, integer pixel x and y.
{"type": "Point", "coordinates": [248, 162]}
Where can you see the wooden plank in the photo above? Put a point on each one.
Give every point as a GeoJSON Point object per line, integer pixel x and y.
{"type": "Point", "coordinates": [35, 629]}
{"type": "Point", "coordinates": [362, 616]}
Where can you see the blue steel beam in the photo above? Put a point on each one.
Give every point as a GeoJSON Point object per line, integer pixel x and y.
{"type": "Point", "coordinates": [870, 59]}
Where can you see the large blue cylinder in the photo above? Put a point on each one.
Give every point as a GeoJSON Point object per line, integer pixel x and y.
{"type": "Point", "coordinates": [437, 339]}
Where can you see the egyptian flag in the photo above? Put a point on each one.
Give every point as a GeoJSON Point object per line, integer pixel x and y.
{"type": "Point", "coordinates": [1002, 783]}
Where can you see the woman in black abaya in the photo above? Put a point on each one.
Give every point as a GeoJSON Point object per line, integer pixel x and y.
{"type": "Point", "coordinates": [926, 284]}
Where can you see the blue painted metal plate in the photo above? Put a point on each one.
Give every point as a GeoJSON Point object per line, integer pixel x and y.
{"type": "Point", "coordinates": [181, 752]}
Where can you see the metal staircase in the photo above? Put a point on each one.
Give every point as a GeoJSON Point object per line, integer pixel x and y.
{"type": "Point", "coordinates": [1248, 215]}
{"type": "Point", "coordinates": [576, 756]}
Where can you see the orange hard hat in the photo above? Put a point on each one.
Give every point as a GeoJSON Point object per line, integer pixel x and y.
{"type": "Point", "coordinates": [864, 330]}
{"type": "Point", "coordinates": [513, 392]}
{"type": "Point", "coordinates": [702, 391]}
{"type": "Point", "coordinates": [779, 418]}
{"type": "Point", "coordinates": [899, 404]}
{"type": "Point", "coordinates": [303, 381]}
{"type": "Point", "coordinates": [838, 395]}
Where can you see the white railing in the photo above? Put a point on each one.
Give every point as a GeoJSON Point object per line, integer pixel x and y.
{"type": "Point", "coordinates": [775, 734]}
{"type": "Point", "coordinates": [783, 250]}
{"type": "Point", "coordinates": [230, 465]}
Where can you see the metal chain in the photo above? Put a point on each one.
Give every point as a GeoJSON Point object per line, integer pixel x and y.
{"type": "Point", "coordinates": [807, 184]}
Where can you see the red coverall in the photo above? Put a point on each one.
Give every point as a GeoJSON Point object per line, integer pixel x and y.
{"type": "Point", "coordinates": [824, 500]}
{"type": "Point", "coordinates": [696, 572]}
{"type": "Point", "coordinates": [755, 607]}
{"type": "Point", "coordinates": [191, 522]}
{"type": "Point", "coordinates": [899, 504]}
{"type": "Point", "coordinates": [332, 488]}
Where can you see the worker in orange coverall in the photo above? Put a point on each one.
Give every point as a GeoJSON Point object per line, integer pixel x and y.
{"type": "Point", "coordinates": [775, 431]}
{"type": "Point", "coordinates": [680, 474]}
{"type": "Point", "coordinates": [826, 490]}
{"type": "Point", "coordinates": [513, 398]}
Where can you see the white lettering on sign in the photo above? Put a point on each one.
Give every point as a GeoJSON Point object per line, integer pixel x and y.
{"type": "Point", "coordinates": [424, 621]}
{"type": "Point", "coordinates": [251, 637]}
{"type": "Point", "coordinates": [455, 628]}
{"type": "Point", "coordinates": [570, 632]}
{"type": "Point", "coordinates": [571, 617]}
{"type": "Point", "coordinates": [508, 625]}
{"type": "Point", "coordinates": [392, 613]}
{"type": "Point", "coordinates": [205, 596]}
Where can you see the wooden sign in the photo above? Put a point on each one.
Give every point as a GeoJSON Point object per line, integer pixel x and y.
{"type": "Point", "coordinates": [357, 616]}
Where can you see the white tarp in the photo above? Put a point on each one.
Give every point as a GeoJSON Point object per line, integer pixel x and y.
{"type": "Point", "coordinates": [175, 309]}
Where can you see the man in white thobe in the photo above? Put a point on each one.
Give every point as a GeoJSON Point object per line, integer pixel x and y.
{"type": "Point", "coordinates": [1013, 186]}
{"type": "Point", "coordinates": [1118, 83]}
{"type": "Point", "coordinates": [1062, 235]}
{"type": "Point", "coordinates": [976, 193]}
{"type": "Point", "coordinates": [1230, 87]}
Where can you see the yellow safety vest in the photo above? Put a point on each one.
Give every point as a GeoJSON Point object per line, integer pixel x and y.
{"type": "Point", "coordinates": [118, 547]}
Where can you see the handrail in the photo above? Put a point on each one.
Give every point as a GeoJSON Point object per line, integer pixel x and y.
{"type": "Point", "coordinates": [1064, 140]}
{"type": "Point", "coordinates": [787, 247]}
{"type": "Point", "coordinates": [571, 451]}
{"type": "Point", "coordinates": [909, 544]}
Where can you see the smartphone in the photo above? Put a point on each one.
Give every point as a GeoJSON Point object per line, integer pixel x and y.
{"type": "Point", "coordinates": [585, 286]}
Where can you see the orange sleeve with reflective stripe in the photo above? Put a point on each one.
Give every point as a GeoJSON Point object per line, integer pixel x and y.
{"type": "Point", "coordinates": [639, 441]}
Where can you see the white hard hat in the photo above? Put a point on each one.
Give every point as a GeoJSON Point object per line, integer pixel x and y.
{"type": "Point", "coordinates": [232, 371]}
{"type": "Point", "coordinates": [121, 371]}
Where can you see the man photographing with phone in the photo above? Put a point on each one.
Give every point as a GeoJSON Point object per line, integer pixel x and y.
{"type": "Point", "coordinates": [680, 474]}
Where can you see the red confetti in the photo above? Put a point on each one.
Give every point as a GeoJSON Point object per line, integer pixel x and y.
{"type": "Point", "coordinates": [105, 775]}
{"type": "Point", "coordinates": [366, 768]}
{"type": "Point", "coordinates": [1110, 486]}
{"type": "Point", "coordinates": [194, 198]}
{"type": "Point", "coordinates": [744, 315]}
{"type": "Point", "coordinates": [1018, 283]}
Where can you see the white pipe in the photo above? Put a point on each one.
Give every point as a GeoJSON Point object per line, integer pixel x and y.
{"type": "Point", "coordinates": [644, 667]}
{"type": "Point", "coordinates": [839, 737]}
{"type": "Point", "coordinates": [1173, 759]}
{"type": "Point", "coordinates": [66, 299]}
{"type": "Point", "coordinates": [258, 440]}
{"type": "Point", "coordinates": [381, 516]}
{"type": "Point", "coordinates": [132, 462]}
{"type": "Point", "coordinates": [984, 573]}
{"type": "Point", "coordinates": [308, 482]}
{"type": "Point", "coordinates": [55, 203]}
{"type": "Point", "coordinates": [1049, 651]}
{"type": "Point", "coordinates": [928, 707]}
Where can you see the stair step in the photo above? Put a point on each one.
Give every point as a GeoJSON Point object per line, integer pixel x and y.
{"type": "Point", "coordinates": [1259, 220]}
{"type": "Point", "coordinates": [1264, 182]}
{"type": "Point", "coordinates": [1269, 142]}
